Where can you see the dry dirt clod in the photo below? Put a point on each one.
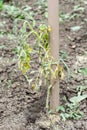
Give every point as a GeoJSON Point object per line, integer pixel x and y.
{"type": "Point", "coordinates": [49, 123]}
{"type": "Point", "coordinates": [44, 124]}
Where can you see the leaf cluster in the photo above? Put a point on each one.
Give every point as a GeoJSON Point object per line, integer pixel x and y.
{"type": "Point", "coordinates": [26, 50]}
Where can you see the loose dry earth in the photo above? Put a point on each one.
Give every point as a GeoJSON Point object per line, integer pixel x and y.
{"type": "Point", "coordinates": [22, 109]}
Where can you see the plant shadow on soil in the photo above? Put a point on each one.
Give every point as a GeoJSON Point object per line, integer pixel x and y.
{"type": "Point", "coordinates": [22, 109]}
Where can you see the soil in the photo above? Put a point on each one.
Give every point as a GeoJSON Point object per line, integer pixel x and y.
{"type": "Point", "coordinates": [23, 109]}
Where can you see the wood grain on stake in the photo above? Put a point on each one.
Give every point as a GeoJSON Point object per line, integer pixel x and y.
{"type": "Point", "coordinates": [53, 22]}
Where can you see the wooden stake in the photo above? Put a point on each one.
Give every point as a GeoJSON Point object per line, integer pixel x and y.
{"type": "Point", "coordinates": [53, 22]}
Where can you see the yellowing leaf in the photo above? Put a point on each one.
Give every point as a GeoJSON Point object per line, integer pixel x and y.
{"type": "Point", "coordinates": [25, 67]}
{"type": "Point", "coordinates": [33, 87]}
{"type": "Point", "coordinates": [49, 29]}
{"type": "Point", "coordinates": [60, 72]}
{"type": "Point", "coordinates": [27, 48]}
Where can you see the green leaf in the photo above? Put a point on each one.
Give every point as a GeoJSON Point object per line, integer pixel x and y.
{"type": "Point", "coordinates": [1, 4]}
{"type": "Point", "coordinates": [78, 99]}
{"type": "Point", "coordinates": [76, 28]}
{"type": "Point", "coordinates": [64, 116]}
{"type": "Point", "coordinates": [2, 46]}
{"type": "Point", "coordinates": [60, 108]}
{"type": "Point", "coordinates": [85, 2]}
{"type": "Point", "coordinates": [84, 71]}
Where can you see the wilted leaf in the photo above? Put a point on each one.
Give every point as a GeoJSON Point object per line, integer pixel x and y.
{"type": "Point", "coordinates": [60, 72]}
